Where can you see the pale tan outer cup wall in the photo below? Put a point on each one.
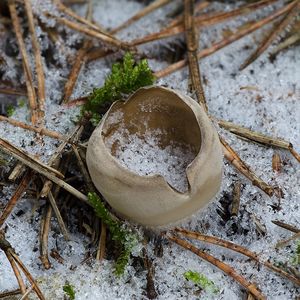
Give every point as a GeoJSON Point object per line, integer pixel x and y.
{"type": "Point", "coordinates": [149, 200]}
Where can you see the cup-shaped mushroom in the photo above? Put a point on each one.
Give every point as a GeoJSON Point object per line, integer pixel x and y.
{"type": "Point", "coordinates": [156, 158]}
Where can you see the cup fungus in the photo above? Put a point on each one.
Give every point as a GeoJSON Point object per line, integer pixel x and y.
{"type": "Point", "coordinates": [156, 158]}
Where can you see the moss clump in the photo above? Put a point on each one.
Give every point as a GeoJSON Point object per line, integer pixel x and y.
{"type": "Point", "coordinates": [125, 78]}
{"type": "Point", "coordinates": [10, 109]}
{"type": "Point", "coordinates": [69, 291]}
{"type": "Point", "coordinates": [124, 237]}
{"type": "Point", "coordinates": [202, 281]}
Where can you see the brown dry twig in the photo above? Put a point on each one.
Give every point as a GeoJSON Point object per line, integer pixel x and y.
{"type": "Point", "coordinates": [44, 233]}
{"type": "Point", "coordinates": [201, 21]}
{"type": "Point", "coordinates": [219, 264]}
{"type": "Point", "coordinates": [286, 226]}
{"type": "Point", "coordinates": [148, 9]}
{"type": "Point", "coordinates": [258, 137]}
{"type": "Point", "coordinates": [237, 248]}
{"type": "Point", "coordinates": [86, 21]}
{"type": "Point", "coordinates": [80, 59]}
{"type": "Point", "coordinates": [38, 130]}
{"type": "Point", "coordinates": [192, 48]}
{"type": "Point", "coordinates": [102, 243]}
{"type": "Point", "coordinates": [278, 28]}
{"type": "Point", "coordinates": [16, 263]}
{"type": "Point", "coordinates": [28, 75]}
{"type": "Point", "coordinates": [42, 169]}
{"type": "Point", "coordinates": [92, 33]}
{"type": "Point", "coordinates": [16, 196]}
{"type": "Point", "coordinates": [236, 161]}
{"type": "Point", "coordinates": [38, 61]}
{"type": "Point", "coordinates": [223, 43]}
{"type": "Point", "coordinates": [235, 206]}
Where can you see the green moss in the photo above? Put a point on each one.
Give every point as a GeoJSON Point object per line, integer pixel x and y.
{"type": "Point", "coordinates": [202, 281]}
{"type": "Point", "coordinates": [10, 109]}
{"type": "Point", "coordinates": [124, 237]}
{"type": "Point", "coordinates": [69, 291]}
{"type": "Point", "coordinates": [125, 78]}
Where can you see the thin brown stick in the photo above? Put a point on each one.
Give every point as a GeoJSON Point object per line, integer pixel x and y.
{"type": "Point", "coordinates": [10, 91]}
{"type": "Point", "coordinates": [28, 291]}
{"type": "Point", "coordinates": [219, 264]}
{"type": "Point", "coordinates": [275, 32]}
{"type": "Point", "coordinates": [38, 60]}
{"type": "Point", "coordinates": [223, 43]}
{"type": "Point", "coordinates": [237, 248]}
{"type": "Point", "coordinates": [10, 293]}
{"type": "Point", "coordinates": [198, 7]}
{"type": "Point", "coordinates": [92, 33]}
{"type": "Point", "coordinates": [28, 75]}
{"type": "Point", "coordinates": [148, 9]}
{"type": "Point", "coordinates": [276, 162]}
{"type": "Point", "coordinates": [201, 21]}
{"type": "Point", "coordinates": [102, 243]}
{"type": "Point", "coordinates": [150, 288]}
{"type": "Point", "coordinates": [16, 196]}
{"type": "Point", "coordinates": [77, 102]}
{"type": "Point", "coordinates": [80, 59]}
{"type": "Point", "coordinates": [38, 130]}
{"type": "Point", "coordinates": [258, 137]}
{"type": "Point", "coordinates": [286, 226]}
{"type": "Point", "coordinates": [236, 161]}
{"type": "Point", "coordinates": [236, 198]}
{"type": "Point", "coordinates": [83, 169]}
{"type": "Point", "coordinates": [54, 160]}
{"type": "Point", "coordinates": [27, 274]}
{"type": "Point", "coordinates": [17, 170]}
{"type": "Point", "coordinates": [27, 159]}
{"type": "Point", "coordinates": [44, 233]}
{"type": "Point", "coordinates": [293, 39]}
{"type": "Point", "coordinates": [211, 19]}
{"type": "Point", "coordinates": [59, 218]}
{"type": "Point", "coordinates": [43, 169]}
{"type": "Point", "coordinates": [86, 21]}
{"type": "Point", "coordinates": [98, 53]}
{"type": "Point", "coordinates": [192, 47]}
{"type": "Point", "coordinates": [16, 272]}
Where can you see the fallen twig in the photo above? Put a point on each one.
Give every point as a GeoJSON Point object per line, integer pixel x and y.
{"type": "Point", "coordinates": [237, 248]}
{"type": "Point", "coordinates": [258, 137]}
{"type": "Point", "coordinates": [80, 59]}
{"type": "Point", "coordinates": [236, 161]}
{"type": "Point", "coordinates": [43, 169]}
{"type": "Point", "coordinates": [44, 233]}
{"type": "Point", "coordinates": [192, 47]}
{"type": "Point", "coordinates": [286, 226]}
{"type": "Point", "coordinates": [38, 130]}
{"type": "Point", "coordinates": [102, 243]}
{"type": "Point", "coordinates": [219, 264]}
{"type": "Point", "coordinates": [235, 206]}
{"type": "Point", "coordinates": [16, 196]}
{"type": "Point", "coordinates": [28, 75]}
{"type": "Point", "coordinates": [92, 33]}
{"type": "Point", "coordinates": [201, 21]}
{"type": "Point", "coordinates": [278, 28]}
{"type": "Point", "coordinates": [15, 261]}
{"type": "Point", "coordinates": [223, 43]}
{"type": "Point", "coordinates": [38, 62]}
{"type": "Point", "coordinates": [148, 9]}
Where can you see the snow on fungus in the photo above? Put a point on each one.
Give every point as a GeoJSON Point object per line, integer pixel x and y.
{"type": "Point", "coordinates": [156, 158]}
